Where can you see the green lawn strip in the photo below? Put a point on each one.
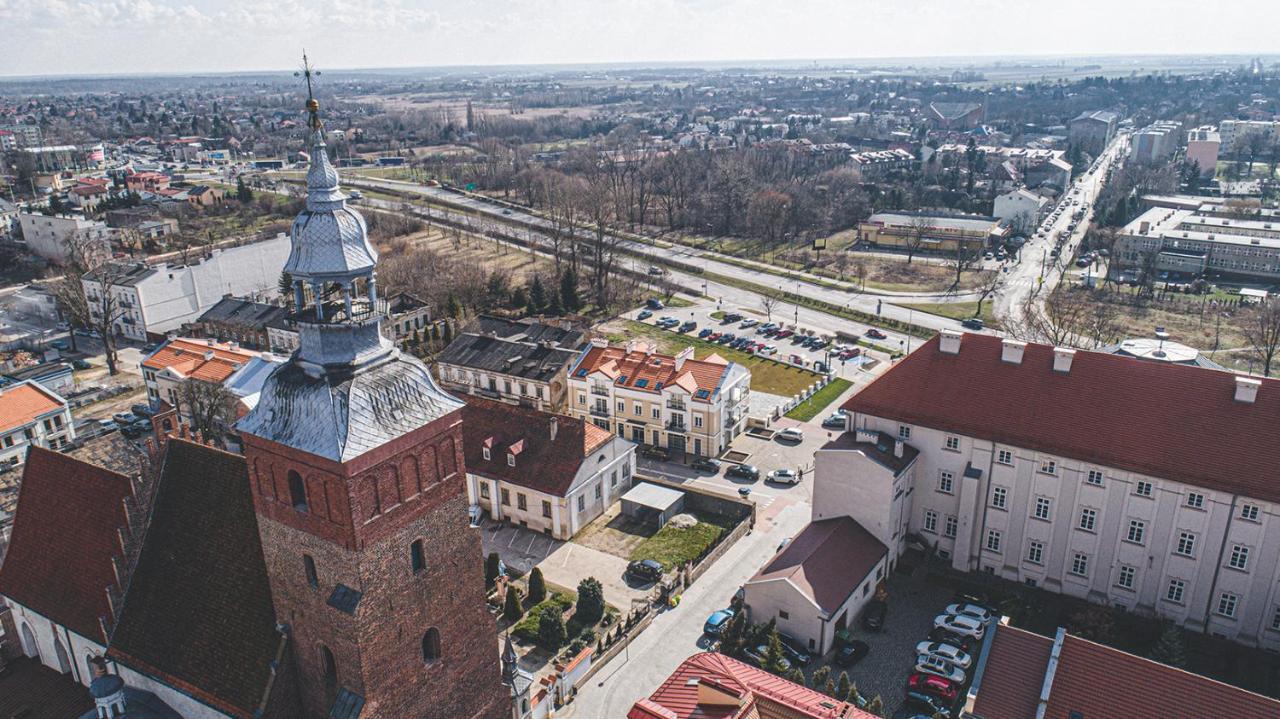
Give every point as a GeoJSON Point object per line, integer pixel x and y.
{"type": "Point", "coordinates": [527, 627]}
{"type": "Point", "coordinates": [811, 407]}
{"type": "Point", "coordinates": [957, 310]}
{"type": "Point", "coordinates": [766, 375]}
{"type": "Point", "coordinates": [679, 302]}
{"type": "Point", "coordinates": [672, 546]}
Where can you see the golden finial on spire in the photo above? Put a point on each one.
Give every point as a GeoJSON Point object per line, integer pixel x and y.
{"type": "Point", "coordinates": [313, 105]}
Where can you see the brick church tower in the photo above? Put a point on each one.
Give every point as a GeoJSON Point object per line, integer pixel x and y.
{"type": "Point", "coordinates": [355, 458]}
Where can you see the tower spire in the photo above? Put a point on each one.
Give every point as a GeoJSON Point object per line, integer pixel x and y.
{"type": "Point", "coordinates": [313, 105]}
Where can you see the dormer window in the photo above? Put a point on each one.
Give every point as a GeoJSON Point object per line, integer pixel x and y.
{"type": "Point", "coordinates": [485, 452]}
{"type": "Point", "coordinates": [511, 460]}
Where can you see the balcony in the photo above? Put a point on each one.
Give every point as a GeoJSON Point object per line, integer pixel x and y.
{"type": "Point", "coordinates": [677, 427]}
{"type": "Point", "coordinates": [601, 390]}
{"type": "Point", "coordinates": [599, 411]}
{"type": "Point", "coordinates": [676, 404]}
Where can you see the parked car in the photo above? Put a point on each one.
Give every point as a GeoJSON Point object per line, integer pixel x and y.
{"type": "Point", "coordinates": [124, 417]}
{"type": "Point", "coordinates": [784, 476]}
{"type": "Point", "coordinates": [654, 304]}
{"type": "Point", "coordinates": [876, 334]}
{"type": "Point", "coordinates": [938, 634]}
{"type": "Point", "coordinates": [852, 652]}
{"type": "Point", "coordinates": [80, 364]}
{"type": "Point", "coordinates": [783, 334]}
{"type": "Point", "coordinates": [791, 434]}
{"type": "Point", "coordinates": [644, 315]}
{"type": "Point", "coordinates": [106, 425]}
{"type": "Point", "coordinates": [748, 323]}
{"type": "Point", "coordinates": [835, 421]}
{"type": "Point", "coordinates": [972, 610]}
{"type": "Point", "coordinates": [732, 317]}
{"type": "Point", "coordinates": [759, 653]}
{"type": "Point", "coordinates": [873, 615]}
{"type": "Point", "coordinates": [768, 350]}
{"type": "Point", "coordinates": [953, 654]}
{"type": "Point", "coordinates": [706, 464]}
{"type": "Point", "coordinates": [715, 623]}
{"type": "Point", "coordinates": [60, 345]}
{"type": "Point", "coordinates": [644, 570]}
{"type": "Point", "coordinates": [655, 270]}
{"type": "Point", "coordinates": [973, 323]}
{"type": "Point", "coordinates": [743, 471]}
{"type": "Point", "coordinates": [929, 664]}
{"type": "Point", "coordinates": [794, 651]}
{"type": "Point", "coordinates": [143, 410]}
{"type": "Point", "coordinates": [142, 425]}
{"type": "Point", "coordinates": [933, 685]}
{"type": "Point", "coordinates": [713, 336]}
{"type": "Point", "coordinates": [704, 333]}
{"type": "Point", "coordinates": [850, 353]}
{"type": "Point", "coordinates": [688, 326]}
{"type": "Point", "coordinates": [658, 453]}
{"type": "Point", "coordinates": [961, 624]}
{"type": "Point", "coordinates": [929, 706]}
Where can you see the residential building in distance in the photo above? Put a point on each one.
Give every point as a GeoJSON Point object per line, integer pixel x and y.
{"type": "Point", "coordinates": [1155, 142]}
{"type": "Point", "coordinates": [47, 235]}
{"type": "Point", "coordinates": [1029, 675]}
{"type": "Point", "coordinates": [1161, 504]}
{"type": "Point", "coordinates": [874, 164]}
{"type": "Point", "coordinates": [407, 314]}
{"type": "Point", "coordinates": [1234, 132]}
{"type": "Point", "coordinates": [956, 115]}
{"type": "Point", "coordinates": [546, 472]}
{"type": "Point", "coordinates": [1203, 146]}
{"type": "Point", "coordinates": [1193, 243]}
{"type": "Point", "coordinates": [161, 298]}
{"type": "Point", "coordinates": [1093, 130]}
{"type": "Point", "coordinates": [32, 416]}
{"type": "Point", "coordinates": [1021, 209]}
{"type": "Point", "coordinates": [23, 135]}
{"type": "Point", "coordinates": [238, 320]}
{"type": "Point", "coordinates": [141, 182]}
{"type": "Point", "coordinates": [239, 370]}
{"type": "Point", "coordinates": [518, 361]}
{"type": "Point", "coordinates": [688, 405]}
{"type": "Point", "coordinates": [928, 233]}
{"type": "Point", "coordinates": [714, 685]}
{"type": "Point", "coordinates": [1031, 166]}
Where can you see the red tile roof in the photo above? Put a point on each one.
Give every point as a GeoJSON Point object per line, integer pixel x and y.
{"type": "Point", "coordinates": [1164, 420]}
{"type": "Point", "coordinates": [64, 536]}
{"type": "Point", "coordinates": [826, 561]}
{"type": "Point", "coordinates": [650, 372]}
{"type": "Point", "coordinates": [201, 359]}
{"type": "Point", "coordinates": [1099, 681]}
{"type": "Point", "coordinates": [21, 404]}
{"type": "Point", "coordinates": [760, 693]}
{"type": "Point", "coordinates": [542, 464]}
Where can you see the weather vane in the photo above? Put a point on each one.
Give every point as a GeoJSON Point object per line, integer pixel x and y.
{"type": "Point", "coordinates": [313, 106]}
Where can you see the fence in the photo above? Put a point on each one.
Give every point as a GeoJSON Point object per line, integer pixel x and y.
{"type": "Point", "coordinates": [802, 396]}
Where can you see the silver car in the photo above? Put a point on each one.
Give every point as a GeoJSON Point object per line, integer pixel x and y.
{"type": "Point", "coordinates": [973, 610]}
{"type": "Point", "coordinates": [937, 666]}
{"type": "Point", "coordinates": [962, 624]}
{"type": "Point", "coordinates": [953, 654]}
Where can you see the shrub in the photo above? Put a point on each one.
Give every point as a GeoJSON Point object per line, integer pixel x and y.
{"type": "Point", "coordinates": [537, 588]}
{"type": "Point", "coordinates": [492, 565]}
{"type": "Point", "coordinates": [511, 610]}
{"type": "Point", "coordinates": [551, 631]}
{"type": "Point", "coordinates": [527, 629]}
{"type": "Point", "coordinates": [590, 602]}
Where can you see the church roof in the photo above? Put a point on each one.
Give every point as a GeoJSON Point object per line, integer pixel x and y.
{"type": "Point", "coordinates": [330, 240]}
{"type": "Point", "coordinates": [198, 613]}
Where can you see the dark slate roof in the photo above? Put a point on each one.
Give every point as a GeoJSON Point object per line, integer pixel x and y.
{"type": "Point", "coordinates": [130, 274]}
{"type": "Point", "coordinates": [39, 372]}
{"type": "Point", "coordinates": [882, 450]}
{"type": "Point", "coordinates": [198, 612]}
{"type": "Point", "coordinates": [520, 348]}
{"type": "Point", "coordinates": [245, 312]}
{"type": "Point", "coordinates": [30, 690]}
{"type": "Point", "coordinates": [64, 537]}
{"type": "Point", "coordinates": [542, 464]}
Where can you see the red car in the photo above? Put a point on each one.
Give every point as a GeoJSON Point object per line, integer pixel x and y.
{"type": "Point", "coordinates": [850, 354]}
{"type": "Point", "coordinates": [713, 336]}
{"type": "Point", "coordinates": [783, 334]}
{"type": "Point", "coordinates": [930, 684]}
{"type": "Point", "coordinates": [876, 334]}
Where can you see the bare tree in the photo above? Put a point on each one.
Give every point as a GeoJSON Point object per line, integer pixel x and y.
{"type": "Point", "coordinates": [860, 272]}
{"type": "Point", "coordinates": [988, 283]}
{"type": "Point", "coordinates": [208, 407]}
{"type": "Point", "coordinates": [917, 228]}
{"type": "Point", "coordinates": [963, 259]}
{"type": "Point", "coordinates": [768, 303]}
{"type": "Point", "coordinates": [1260, 325]}
{"type": "Point", "coordinates": [96, 306]}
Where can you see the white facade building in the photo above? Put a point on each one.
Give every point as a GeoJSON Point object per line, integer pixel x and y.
{"type": "Point", "coordinates": [1021, 209]}
{"type": "Point", "coordinates": [31, 414]}
{"type": "Point", "coordinates": [47, 235]}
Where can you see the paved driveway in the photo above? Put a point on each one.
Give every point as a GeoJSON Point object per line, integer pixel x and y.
{"type": "Point", "coordinates": [570, 563]}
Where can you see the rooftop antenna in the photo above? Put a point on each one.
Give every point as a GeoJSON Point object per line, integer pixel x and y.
{"type": "Point", "coordinates": [1162, 336]}
{"type": "Point", "coordinates": [313, 106]}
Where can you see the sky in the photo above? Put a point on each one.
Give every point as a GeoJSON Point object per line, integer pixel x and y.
{"type": "Point", "coordinates": [61, 37]}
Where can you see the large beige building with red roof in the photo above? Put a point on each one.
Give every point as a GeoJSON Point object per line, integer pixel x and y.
{"type": "Point", "coordinates": [32, 416]}
{"type": "Point", "coordinates": [684, 404]}
{"type": "Point", "coordinates": [1144, 485]}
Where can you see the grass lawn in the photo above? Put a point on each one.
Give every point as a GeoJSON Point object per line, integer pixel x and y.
{"type": "Point", "coordinates": [678, 301]}
{"type": "Point", "coordinates": [673, 546]}
{"type": "Point", "coordinates": [766, 375]}
{"type": "Point", "coordinates": [811, 407]}
{"type": "Point", "coordinates": [958, 310]}
{"type": "Point", "coordinates": [527, 627]}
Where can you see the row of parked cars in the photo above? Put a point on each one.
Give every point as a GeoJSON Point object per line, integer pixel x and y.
{"type": "Point", "coordinates": [133, 423]}
{"type": "Point", "coordinates": [945, 660]}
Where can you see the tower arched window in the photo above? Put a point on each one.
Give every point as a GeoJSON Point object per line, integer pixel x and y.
{"type": "Point", "coordinates": [417, 556]}
{"type": "Point", "coordinates": [431, 646]}
{"type": "Point", "coordinates": [297, 491]}
{"type": "Point", "coordinates": [329, 667]}
{"type": "Point", "coordinates": [309, 565]}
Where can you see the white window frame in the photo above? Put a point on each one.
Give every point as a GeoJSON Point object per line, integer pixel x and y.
{"type": "Point", "coordinates": [1137, 532]}
{"type": "Point", "coordinates": [1143, 489]}
{"type": "Point", "coordinates": [1005, 457]}
{"type": "Point", "coordinates": [1186, 544]}
{"type": "Point", "coordinates": [1035, 552]}
{"type": "Point", "coordinates": [1043, 509]}
{"type": "Point", "coordinates": [1094, 477]}
{"type": "Point", "coordinates": [1228, 605]}
{"type": "Point", "coordinates": [994, 538]}
{"type": "Point", "coordinates": [1175, 591]}
{"type": "Point", "coordinates": [1249, 512]}
{"type": "Point", "coordinates": [1080, 564]}
{"type": "Point", "coordinates": [950, 526]}
{"type": "Point", "coordinates": [1091, 515]}
{"type": "Point", "coordinates": [953, 443]}
{"type": "Point", "coordinates": [1049, 467]}
{"type": "Point", "coordinates": [930, 521]}
{"type": "Point", "coordinates": [1239, 557]}
{"type": "Point", "coordinates": [1195, 500]}
{"type": "Point", "coordinates": [999, 497]}
{"type": "Point", "coordinates": [1125, 577]}
{"type": "Point", "coordinates": [904, 432]}
{"type": "Point", "coordinates": [946, 481]}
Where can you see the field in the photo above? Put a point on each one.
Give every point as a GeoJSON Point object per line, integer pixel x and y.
{"type": "Point", "coordinates": [486, 253]}
{"type": "Point", "coordinates": [766, 375]}
{"type": "Point", "coordinates": [957, 310]}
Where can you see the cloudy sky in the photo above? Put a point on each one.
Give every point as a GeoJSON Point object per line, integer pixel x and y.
{"type": "Point", "coordinates": [146, 36]}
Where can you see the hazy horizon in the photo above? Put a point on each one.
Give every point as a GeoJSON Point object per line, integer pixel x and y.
{"type": "Point", "coordinates": [168, 37]}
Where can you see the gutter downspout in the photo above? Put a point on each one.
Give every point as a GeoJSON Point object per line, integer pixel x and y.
{"type": "Point", "coordinates": [1217, 570]}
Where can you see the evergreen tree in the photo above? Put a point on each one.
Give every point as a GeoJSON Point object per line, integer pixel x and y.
{"type": "Point", "coordinates": [243, 193]}
{"type": "Point", "coordinates": [446, 332]}
{"type": "Point", "coordinates": [511, 610]}
{"type": "Point", "coordinates": [820, 678]}
{"type": "Point", "coordinates": [492, 565]}
{"type": "Point", "coordinates": [569, 291]}
{"type": "Point", "coordinates": [773, 654]}
{"type": "Point", "coordinates": [452, 307]}
{"type": "Point", "coordinates": [555, 307]}
{"type": "Point", "coordinates": [537, 296]}
{"type": "Point", "coordinates": [796, 676]}
{"type": "Point", "coordinates": [56, 206]}
{"type": "Point", "coordinates": [843, 687]}
{"type": "Point", "coordinates": [537, 588]}
{"type": "Point", "coordinates": [590, 601]}
{"type": "Point", "coordinates": [1171, 648]}
{"type": "Point", "coordinates": [829, 688]}
{"type": "Point", "coordinates": [875, 706]}
{"type": "Point", "coordinates": [551, 631]}
{"type": "Point", "coordinates": [734, 635]}
{"type": "Point", "coordinates": [519, 298]}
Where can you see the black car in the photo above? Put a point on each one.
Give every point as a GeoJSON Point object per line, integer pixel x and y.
{"type": "Point", "coordinates": [973, 323]}
{"type": "Point", "coordinates": [852, 652]}
{"type": "Point", "coordinates": [743, 471]}
{"type": "Point", "coordinates": [659, 453]}
{"type": "Point", "coordinates": [791, 647]}
{"type": "Point", "coordinates": [938, 634]}
{"type": "Point", "coordinates": [706, 464]}
{"type": "Point", "coordinates": [873, 615]}
{"type": "Point", "coordinates": [931, 706]}
{"type": "Point", "coordinates": [644, 570]}
{"type": "Point", "coordinates": [654, 304]}
{"type": "Point", "coordinates": [687, 326]}
{"type": "Point", "coordinates": [143, 410]}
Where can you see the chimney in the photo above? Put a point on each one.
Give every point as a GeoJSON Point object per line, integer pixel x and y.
{"type": "Point", "coordinates": [1144, 227]}
{"type": "Point", "coordinates": [1062, 357]}
{"type": "Point", "coordinates": [684, 354]}
{"type": "Point", "coordinates": [1011, 351]}
{"type": "Point", "coordinates": [898, 448]}
{"type": "Point", "coordinates": [1247, 389]}
{"type": "Point", "coordinates": [950, 342]}
{"type": "Point", "coordinates": [555, 426]}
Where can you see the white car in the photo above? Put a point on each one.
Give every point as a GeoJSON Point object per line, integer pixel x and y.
{"type": "Point", "coordinates": [748, 323]}
{"type": "Point", "coordinates": [791, 434]}
{"type": "Point", "coordinates": [962, 624]}
{"type": "Point", "coordinates": [953, 654]}
{"type": "Point", "coordinates": [768, 350]}
{"type": "Point", "coordinates": [937, 666]}
{"type": "Point", "coordinates": [784, 476]}
{"type": "Point", "coordinates": [973, 610]}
